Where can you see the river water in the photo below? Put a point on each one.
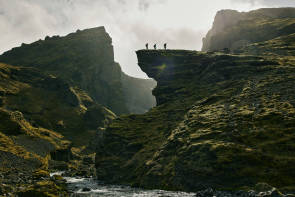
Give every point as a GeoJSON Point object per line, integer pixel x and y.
{"type": "Point", "coordinates": [76, 185]}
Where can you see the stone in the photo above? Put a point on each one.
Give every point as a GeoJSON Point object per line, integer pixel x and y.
{"type": "Point", "coordinates": [86, 189]}
{"type": "Point", "coordinates": [276, 193]}
{"type": "Point", "coordinates": [88, 160]}
{"type": "Point", "coordinates": [263, 187]}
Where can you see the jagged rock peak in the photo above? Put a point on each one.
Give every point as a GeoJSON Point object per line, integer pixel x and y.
{"type": "Point", "coordinates": [164, 65]}
{"type": "Point", "coordinates": [231, 28]}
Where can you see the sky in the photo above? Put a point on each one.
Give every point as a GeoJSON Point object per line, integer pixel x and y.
{"type": "Point", "coordinates": [131, 23]}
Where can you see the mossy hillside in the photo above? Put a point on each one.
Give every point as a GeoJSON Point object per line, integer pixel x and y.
{"type": "Point", "coordinates": [223, 121]}
{"type": "Point", "coordinates": [35, 110]}
{"type": "Point", "coordinates": [232, 29]}
{"type": "Point", "coordinates": [282, 47]}
{"type": "Point", "coordinates": [24, 154]}
{"type": "Point", "coordinates": [49, 102]}
{"type": "Point", "coordinates": [85, 59]}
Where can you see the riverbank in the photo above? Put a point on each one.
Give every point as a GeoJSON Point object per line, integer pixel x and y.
{"type": "Point", "coordinates": [86, 187]}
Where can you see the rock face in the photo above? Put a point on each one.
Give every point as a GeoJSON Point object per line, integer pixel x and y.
{"type": "Point", "coordinates": [232, 29]}
{"type": "Point", "coordinates": [223, 121]}
{"type": "Point", "coordinates": [85, 59]}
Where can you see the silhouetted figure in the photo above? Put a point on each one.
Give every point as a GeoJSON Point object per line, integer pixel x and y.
{"type": "Point", "coordinates": [147, 46]}
{"type": "Point", "coordinates": [155, 46]}
{"type": "Point", "coordinates": [226, 50]}
{"type": "Point", "coordinates": [165, 46]}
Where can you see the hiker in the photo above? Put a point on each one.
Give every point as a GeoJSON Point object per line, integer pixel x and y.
{"type": "Point", "coordinates": [155, 46]}
{"type": "Point", "coordinates": [165, 46]}
{"type": "Point", "coordinates": [147, 46]}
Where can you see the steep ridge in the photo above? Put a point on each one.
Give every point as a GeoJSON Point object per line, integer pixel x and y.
{"type": "Point", "coordinates": [222, 121]}
{"type": "Point", "coordinates": [232, 29]}
{"type": "Point", "coordinates": [85, 59]}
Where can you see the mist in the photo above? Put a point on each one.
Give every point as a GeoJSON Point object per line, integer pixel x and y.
{"type": "Point", "coordinates": [130, 23]}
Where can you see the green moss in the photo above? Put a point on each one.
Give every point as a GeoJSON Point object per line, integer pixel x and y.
{"type": "Point", "coordinates": [43, 189]}
{"type": "Point", "coordinates": [162, 67]}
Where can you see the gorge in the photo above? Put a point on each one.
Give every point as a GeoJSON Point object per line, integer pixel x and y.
{"type": "Point", "coordinates": [220, 118]}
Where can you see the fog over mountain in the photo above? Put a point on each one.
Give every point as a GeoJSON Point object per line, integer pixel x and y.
{"type": "Point", "coordinates": [131, 23]}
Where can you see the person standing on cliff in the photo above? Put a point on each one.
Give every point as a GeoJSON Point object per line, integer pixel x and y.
{"type": "Point", "coordinates": [165, 46]}
{"type": "Point", "coordinates": [147, 46]}
{"type": "Point", "coordinates": [155, 46]}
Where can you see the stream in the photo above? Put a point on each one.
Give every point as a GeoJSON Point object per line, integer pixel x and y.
{"type": "Point", "coordinates": [96, 188]}
{"type": "Point", "coordinates": [89, 187]}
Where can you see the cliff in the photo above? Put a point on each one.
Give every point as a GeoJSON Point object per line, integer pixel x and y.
{"type": "Point", "coordinates": [27, 99]}
{"type": "Point", "coordinates": [222, 121]}
{"type": "Point", "coordinates": [85, 59]}
{"type": "Point", "coordinates": [232, 29]}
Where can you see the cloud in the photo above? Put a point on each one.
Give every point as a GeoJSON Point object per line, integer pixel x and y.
{"type": "Point", "coordinates": [130, 23]}
{"type": "Point", "coordinates": [19, 24]}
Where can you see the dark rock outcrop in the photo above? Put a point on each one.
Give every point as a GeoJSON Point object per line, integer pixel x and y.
{"type": "Point", "coordinates": [62, 154]}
